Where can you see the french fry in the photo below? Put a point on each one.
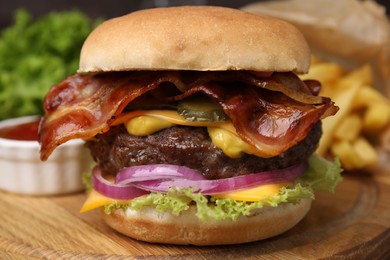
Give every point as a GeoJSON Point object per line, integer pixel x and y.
{"type": "Point", "coordinates": [363, 111]}
{"type": "Point", "coordinates": [343, 99]}
{"type": "Point", "coordinates": [359, 154]}
{"type": "Point", "coordinates": [361, 76]}
{"type": "Point", "coordinates": [326, 73]}
{"type": "Point", "coordinates": [368, 96]}
{"type": "Point", "coordinates": [365, 152]}
{"type": "Point", "coordinates": [350, 128]}
{"type": "Point", "coordinates": [376, 117]}
{"type": "Point", "coordinates": [347, 155]}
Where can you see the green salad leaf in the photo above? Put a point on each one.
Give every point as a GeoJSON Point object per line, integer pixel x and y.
{"type": "Point", "coordinates": [36, 54]}
{"type": "Point", "coordinates": [321, 175]}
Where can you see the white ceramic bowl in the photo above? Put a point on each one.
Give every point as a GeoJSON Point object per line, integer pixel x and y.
{"type": "Point", "coordinates": [22, 171]}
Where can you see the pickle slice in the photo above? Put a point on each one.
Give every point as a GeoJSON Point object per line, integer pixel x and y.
{"type": "Point", "coordinates": [201, 109]}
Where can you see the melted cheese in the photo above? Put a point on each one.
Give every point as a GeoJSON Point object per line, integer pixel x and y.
{"type": "Point", "coordinates": [172, 117]}
{"type": "Point", "coordinates": [232, 145]}
{"type": "Point", "coordinates": [96, 200]}
{"type": "Point", "coordinates": [146, 125]}
{"type": "Point", "coordinates": [254, 194]}
{"type": "Point", "coordinates": [222, 134]}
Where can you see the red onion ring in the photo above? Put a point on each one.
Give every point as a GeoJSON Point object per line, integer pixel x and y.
{"type": "Point", "coordinates": [211, 187]}
{"type": "Point", "coordinates": [156, 172]}
{"type": "Point", "coordinates": [136, 181]}
{"type": "Point", "coordinates": [114, 190]}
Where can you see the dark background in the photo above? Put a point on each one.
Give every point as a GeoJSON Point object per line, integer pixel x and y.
{"type": "Point", "coordinates": [94, 8]}
{"type": "Point", "coordinates": [105, 9]}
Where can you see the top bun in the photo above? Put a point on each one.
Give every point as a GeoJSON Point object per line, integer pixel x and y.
{"type": "Point", "coordinates": [195, 38]}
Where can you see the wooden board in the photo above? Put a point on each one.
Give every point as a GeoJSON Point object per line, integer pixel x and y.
{"type": "Point", "coordinates": [353, 223]}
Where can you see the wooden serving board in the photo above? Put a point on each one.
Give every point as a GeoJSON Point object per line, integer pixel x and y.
{"type": "Point", "coordinates": [353, 223]}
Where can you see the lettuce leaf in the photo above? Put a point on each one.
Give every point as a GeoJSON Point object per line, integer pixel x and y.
{"type": "Point", "coordinates": [321, 175]}
{"type": "Point", "coordinates": [36, 54]}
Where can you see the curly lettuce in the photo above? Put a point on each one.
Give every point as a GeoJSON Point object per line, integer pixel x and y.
{"type": "Point", "coordinates": [321, 175]}
{"type": "Point", "coordinates": [36, 54]}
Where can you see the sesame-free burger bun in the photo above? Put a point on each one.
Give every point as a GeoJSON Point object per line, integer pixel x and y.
{"type": "Point", "coordinates": [201, 38]}
{"type": "Point", "coordinates": [187, 229]}
{"type": "Point", "coordinates": [195, 38]}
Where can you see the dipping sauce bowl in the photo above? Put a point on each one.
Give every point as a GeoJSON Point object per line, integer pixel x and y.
{"type": "Point", "coordinates": [22, 171]}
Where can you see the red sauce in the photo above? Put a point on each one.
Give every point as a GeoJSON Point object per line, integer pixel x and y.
{"type": "Point", "coordinates": [22, 132]}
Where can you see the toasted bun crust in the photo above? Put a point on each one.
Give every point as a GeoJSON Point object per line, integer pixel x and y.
{"type": "Point", "coordinates": [195, 38]}
{"type": "Point", "coordinates": [150, 226]}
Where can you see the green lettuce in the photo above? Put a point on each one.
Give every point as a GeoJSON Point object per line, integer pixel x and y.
{"type": "Point", "coordinates": [36, 54]}
{"type": "Point", "coordinates": [321, 175]}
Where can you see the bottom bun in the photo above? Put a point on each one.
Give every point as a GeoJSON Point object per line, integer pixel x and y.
{"type": "Point", "coordinates": [151, 226]}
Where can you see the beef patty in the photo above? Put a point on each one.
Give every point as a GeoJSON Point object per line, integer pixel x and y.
{"type": "Point", "coordinates": [191, 147]}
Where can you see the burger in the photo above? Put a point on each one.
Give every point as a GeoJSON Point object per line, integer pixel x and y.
{"type": "Point", "coordinates": [200, 127]}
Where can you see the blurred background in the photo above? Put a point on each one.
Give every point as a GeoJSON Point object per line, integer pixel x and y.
{"type": "Point", "coordinates": [94, 9]}
{"type": "Point", "coordinates": [107, 9]}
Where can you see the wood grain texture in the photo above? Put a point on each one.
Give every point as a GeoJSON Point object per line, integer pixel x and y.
{"type": "Point", "coordinates": [352, 223]}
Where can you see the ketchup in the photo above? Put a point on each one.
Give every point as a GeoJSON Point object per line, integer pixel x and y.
{"type": "Point", "coordinates": [23, 132]}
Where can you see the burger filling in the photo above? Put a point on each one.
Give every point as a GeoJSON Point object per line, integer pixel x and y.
{"type": "Point", "coordinates": [250, 144]}
{"type": "Point", "coordinates": [271, 113]}
{"type": "Point", "coordinates": [191, 147]}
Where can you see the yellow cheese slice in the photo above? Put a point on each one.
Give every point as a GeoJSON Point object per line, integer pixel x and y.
{"type": "Point", "coordinates": [223, 134]}
{"type": "Point", "coordinates": [231, 145]}
{"type": "Point", "coordinates": [96, 200]}
{"type": "Point", "coordinates": [172, 117]}
{"type": "Point", "coordinates": [254, 194]}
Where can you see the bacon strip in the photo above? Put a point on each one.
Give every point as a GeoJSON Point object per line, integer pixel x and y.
{"type": "Point", "coordinates": [84, 105]}
{"type": "Point", "coordinates": [269, 120]}
{"type": "Point", "coordinates": [272, 117]}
